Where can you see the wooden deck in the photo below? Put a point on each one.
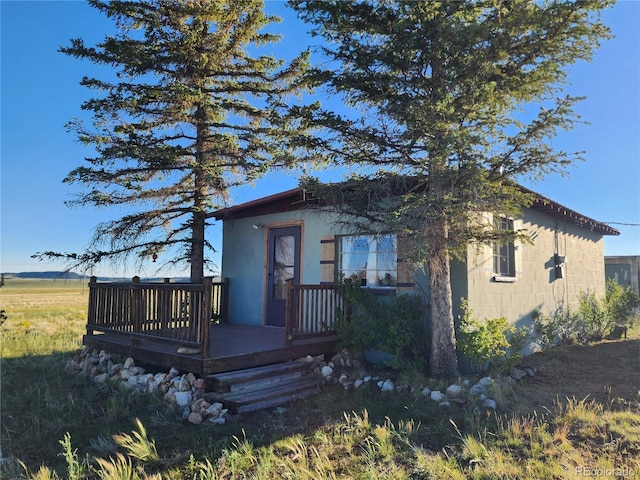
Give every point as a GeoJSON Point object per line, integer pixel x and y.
{"type": "Point", "coordinates": [231, 347]}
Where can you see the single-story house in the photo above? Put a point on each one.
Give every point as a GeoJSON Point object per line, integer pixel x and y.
{"type": "Point", "coordinates": [279, 237]}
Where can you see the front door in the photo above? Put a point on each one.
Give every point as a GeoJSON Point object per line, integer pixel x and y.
{"type": "Point", "coordinates": [284, 264]}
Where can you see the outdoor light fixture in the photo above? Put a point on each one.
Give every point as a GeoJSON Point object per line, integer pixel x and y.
{"type": "Point", "coordinates": [256, 226]}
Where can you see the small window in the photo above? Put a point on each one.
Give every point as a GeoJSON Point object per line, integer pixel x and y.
{"type": "Point", "coordinates": [504, 252]}
{"type": "Point", "coordinates": [370, 260]}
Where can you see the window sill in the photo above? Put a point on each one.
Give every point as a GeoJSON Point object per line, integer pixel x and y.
{"type": "Point", "coordinates": [501, 279]}
{"type": "Point", "coordinates": [378, 290]}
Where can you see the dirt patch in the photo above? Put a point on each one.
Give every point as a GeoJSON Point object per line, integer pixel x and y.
{"type": "Point", "coordinates": [608, 372]}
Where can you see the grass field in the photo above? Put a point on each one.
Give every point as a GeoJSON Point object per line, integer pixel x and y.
{"type": "Point", "coordinates": [579, 418]}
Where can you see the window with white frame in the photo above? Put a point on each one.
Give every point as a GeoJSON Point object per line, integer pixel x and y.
{"type": "Point", "coordinates": [504, 251]}
{"type": "Point", "coordinates": [370, 260]}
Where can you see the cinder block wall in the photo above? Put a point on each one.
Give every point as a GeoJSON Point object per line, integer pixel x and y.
{"type": "Point", "coordinates": [537, 286]}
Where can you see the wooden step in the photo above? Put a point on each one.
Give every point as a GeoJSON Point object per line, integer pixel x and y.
{"type": "Point", "coordinates": [254, 378]}
{"type": "Point", "coordinates": [277, 394]}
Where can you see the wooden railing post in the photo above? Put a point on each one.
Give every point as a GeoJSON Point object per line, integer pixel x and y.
{"type": "Point", "coordinates": [93, 304]}
{"type": "Point", "coordinates": [136, 305]}
{"type": "Point", "coordinates": [224, 301]}
{"type": "Point", "coordinates": [288, 311]}
{"type": "Point", "coordinates": [205, 317]}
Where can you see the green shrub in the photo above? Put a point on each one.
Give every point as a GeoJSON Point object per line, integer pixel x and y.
{"type": "Point", "coordinates": [621, 302]}
{"type": "Point", "coordinates": [594, 319]}
{"type": "Point", "coordinates": [391, 323]}
{"type": "Point", "coordinates": [558, 328]}
{"type": "Point", "coordinates": [491, 341]}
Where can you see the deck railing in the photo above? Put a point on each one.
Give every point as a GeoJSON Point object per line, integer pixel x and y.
{"type": "Point", "coordinates": [179, 313]}
{"type": "Point", "coordinates": [312, 310]}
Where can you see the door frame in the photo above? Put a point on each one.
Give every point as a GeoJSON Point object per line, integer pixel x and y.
{"type": "Point", "coordinates": [265, 273]}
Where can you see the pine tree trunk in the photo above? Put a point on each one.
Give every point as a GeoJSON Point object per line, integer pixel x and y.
{"type": "Point", "coordinates": [443, 361]}
{"type": "Point", "coordinates": [199, 203]}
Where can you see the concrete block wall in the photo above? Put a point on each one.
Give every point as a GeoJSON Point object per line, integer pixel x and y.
{"type": "Point", "coordinates": [536, 285]}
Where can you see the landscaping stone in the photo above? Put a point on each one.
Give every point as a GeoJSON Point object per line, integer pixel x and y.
{"type": "Point", "coordinates": [326, 371]}
{"type": "Point", "coordinates": [453, 390]}
{"type": "Point", "coordinates": [517, 374]}
{"type": "Point", "coordinates": [490, 403]}
{"type": "Point", "coordinates": [486, 381]}
{"type": "Point", "coordinates": [477, 389]}
{"type": "Point", "coordinates": [437, 396]}
{"type": "Point", "coordinates": [387, 386]}
{"type": "Point", "coordinates": [185, 393]}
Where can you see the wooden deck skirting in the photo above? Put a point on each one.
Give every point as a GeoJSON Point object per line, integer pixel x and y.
{"type": "Point", "coordinates": [143, 318]}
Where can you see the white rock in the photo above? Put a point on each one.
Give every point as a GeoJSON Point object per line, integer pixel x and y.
{"type": "Point", "coordinates": [454, 390]}
{"type": "Point", "coordinates": [445, 404]}
{"type": "Point", "coordinates": [159, 377]}
{"type": "Point", "coordinates": [387, 386]}
{"type": "Point", "coordinates": [489, 403]}
{"type": "Point", "coordinates": [466, 383]}
{"type": "Point", "coordinates": [343, 378]}
{"type": "Point", "coordinates": [326, 371]}
{"type": "Point", "coordinates": [183, 398]}
{"type": "Point", "coordinates": [485, 381]}
{"type": "Point", "coordinates": [184, 384]}
{"type": "Point", "coordinates": [102, 378]}
{"type": "Point", "coordinates": [174, 372]}
{"type": "Point", "coordinates": [477, 389]}
{"type": "Point", "coordinates": [367, 379]}
{"type": "Point", "coordinates": [358, 383]}
{"type": "Point", "coordinates": [128, 363]}
{"type": "Point", "coordinates": [426, 391]}
{"type": "Point", "coordinates": [214, 409]}
{"type": "Point", "coordinates": [218, 420]}
{"type": "Point", "coordinates": [380, 383]}
{"type": "Point", "coordinates": [437, 396]}
{"type": "Point", "coordinates": [133, 379]}
{"type": "Point", "coordinates": [125, 373]}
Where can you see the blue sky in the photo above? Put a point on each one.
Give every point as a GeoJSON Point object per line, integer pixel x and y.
{"type": "Point", "coordinates": [40, 93]}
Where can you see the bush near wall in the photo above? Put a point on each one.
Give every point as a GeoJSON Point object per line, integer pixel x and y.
{"type": "Point", "coordinates": [594, 319]}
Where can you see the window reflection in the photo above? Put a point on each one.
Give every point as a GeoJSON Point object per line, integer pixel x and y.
{"type": "Point", "coordinates": [370, 260]}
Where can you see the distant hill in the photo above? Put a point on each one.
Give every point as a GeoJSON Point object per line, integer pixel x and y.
{"type": "Point", "coordinates": [47, 275]}
{"type": "Point", "coordinates": [76, 276]}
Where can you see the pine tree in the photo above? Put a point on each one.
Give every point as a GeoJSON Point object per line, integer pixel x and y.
{"type": "Point", "coordinates": [445, 92]}
{"type": "Point", "coordinates": [190, 115]}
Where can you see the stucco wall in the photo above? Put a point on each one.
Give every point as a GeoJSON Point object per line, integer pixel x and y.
{"type": "Point", "coordinates": [536, 285]}
{"type": "Point", "coordinates": [244, 258]}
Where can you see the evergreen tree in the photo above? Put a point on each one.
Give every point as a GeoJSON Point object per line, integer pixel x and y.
{"type": "Point", "coordinates": [444, 91]}
{"type": "Point", "coordinates": [190, 115]}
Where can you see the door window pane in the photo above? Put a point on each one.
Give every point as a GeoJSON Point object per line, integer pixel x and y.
{"type": "Point", "coordinates": [283, 264]}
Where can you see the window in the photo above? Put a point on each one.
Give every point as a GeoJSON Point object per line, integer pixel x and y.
{"type": "Point", "coordinates": [503, 252]}
{"type": "Point", "coordinates": [371, 260]}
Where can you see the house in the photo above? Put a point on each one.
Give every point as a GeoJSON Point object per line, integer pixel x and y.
{"type": "Point", "coordinates": [624, 270]}
{"type": "Point", "coordinates": [278, 300]}
{"type": "Point", "coordinates": [277, 238]}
